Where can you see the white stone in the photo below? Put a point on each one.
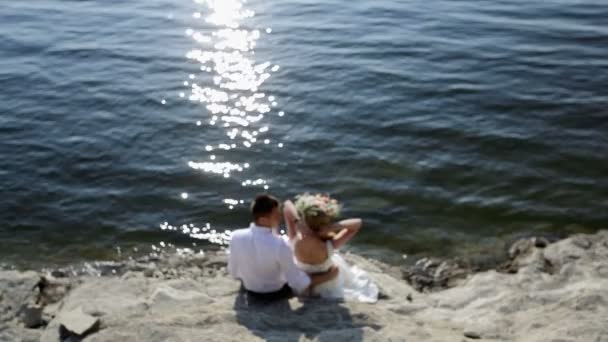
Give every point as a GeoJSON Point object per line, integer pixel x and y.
{"type": "Point", "coordinates": [78, 322]}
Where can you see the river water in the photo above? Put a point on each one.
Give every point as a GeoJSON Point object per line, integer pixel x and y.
{"type": "Point", "coordinates": [448, 126]}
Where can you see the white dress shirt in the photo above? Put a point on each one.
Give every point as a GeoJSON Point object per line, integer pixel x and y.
{"type": "Point", "coordinates": [264, 262]}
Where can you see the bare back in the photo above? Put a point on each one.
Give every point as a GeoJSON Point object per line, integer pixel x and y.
{"type": "Point", "coordinates": [310, 250]}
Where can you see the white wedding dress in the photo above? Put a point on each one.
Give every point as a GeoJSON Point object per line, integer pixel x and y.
{"type": "Point", "coordinates": [352, 283]}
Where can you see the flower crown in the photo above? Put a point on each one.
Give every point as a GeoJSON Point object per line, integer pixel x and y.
{"type": "Point", "coordinates": [309, 205]}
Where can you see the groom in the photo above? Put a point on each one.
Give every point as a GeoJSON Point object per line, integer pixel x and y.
{"type": "Point", "coordinates": [264, 262]}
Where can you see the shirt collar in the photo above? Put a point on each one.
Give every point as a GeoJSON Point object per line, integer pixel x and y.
{"type": "Point", "coordinates": [254, 227]}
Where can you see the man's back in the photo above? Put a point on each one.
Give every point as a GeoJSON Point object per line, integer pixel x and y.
{"type": "Point", "coordinates": [263, 261]}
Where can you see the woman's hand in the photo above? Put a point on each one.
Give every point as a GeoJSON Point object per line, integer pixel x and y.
{"type": "Point", "coordinates": [320, 278]}
{"type": "Point", "coordinates": [346, 230]}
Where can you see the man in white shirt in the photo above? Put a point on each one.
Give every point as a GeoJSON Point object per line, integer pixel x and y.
{"type": "Point", "coordinates": [263, 261]}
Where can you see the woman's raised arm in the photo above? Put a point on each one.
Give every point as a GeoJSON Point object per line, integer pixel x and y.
{"type": "Point", "coordinates": [345, 230]}
{"type": "Point", "coordinates": [291, 218]}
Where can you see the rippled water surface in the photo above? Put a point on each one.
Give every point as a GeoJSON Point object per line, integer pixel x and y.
{"type": "Point", "coordinates": [449, 126]}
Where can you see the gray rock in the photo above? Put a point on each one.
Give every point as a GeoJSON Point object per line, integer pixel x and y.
{"type": "Point", "coordinates": [31, 316]}
{"type": "Point", "coordinates": [52, 290]}
{"type": "Point", "coordinates": [540, 242]}
{"type": "Point", "coordinates": [78, 323]}
{"type": "Point", "coordinates": [435, 274]}
{"type": "Point", "coordinates": [58, 273]}
{"type": "Point", "coordinates": [527, 254]}
{"type": "Point", "coordinates": [140, 266]}
{"type": "Point", "coordinates": [582, 241]}
{"type": "Point", "coordinates": [521, 247]}
{"type": "Point", "coordinates": [105, 268]}
{"type": "Point", "coordinates": [49, 311]}
{"type": "Point", "coordinates": [472, 334]}
{"type": "Point", "coordinates": [567, 251]}
{"type": "Point", "coordinates": [19, 335]}
{"type": "Point", "coordinates": [17, 290]}
{"type": "Point", "coordinates": [170, 294]}
{"type": "Point", "coordinates": [149, 272]}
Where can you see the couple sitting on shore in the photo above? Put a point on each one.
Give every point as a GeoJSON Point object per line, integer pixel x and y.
{"type": "Point", "coordinates": [271, 266]}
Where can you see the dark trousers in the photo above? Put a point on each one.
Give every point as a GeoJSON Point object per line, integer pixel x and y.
{"type": "Point", "coordinates": [284, 293]}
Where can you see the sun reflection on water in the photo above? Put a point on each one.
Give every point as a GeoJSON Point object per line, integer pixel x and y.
{"type": "Point", "coordinates": [228, 88]}
{"type": "Point", "coordinates": [201, 233]}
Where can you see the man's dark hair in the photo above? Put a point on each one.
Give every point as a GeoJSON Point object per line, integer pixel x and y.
{"type": "Point", "coordinates": [263, 205]}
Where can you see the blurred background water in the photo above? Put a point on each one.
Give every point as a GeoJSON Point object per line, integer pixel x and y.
{"type": "Point", "coordinates": [449, 126]}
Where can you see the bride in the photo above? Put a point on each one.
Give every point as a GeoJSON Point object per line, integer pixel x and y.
{"type": "Point", "coordinates": [314, 237]}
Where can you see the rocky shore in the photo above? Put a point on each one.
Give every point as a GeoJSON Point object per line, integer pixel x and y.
{"type": "Point", "coordinates": [545, 292]}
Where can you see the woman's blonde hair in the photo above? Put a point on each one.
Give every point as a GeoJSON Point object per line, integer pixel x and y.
{"type": "Point", "coordinates": [317, 210]}
{"type": "Point", "coordinates": [317, 221]}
